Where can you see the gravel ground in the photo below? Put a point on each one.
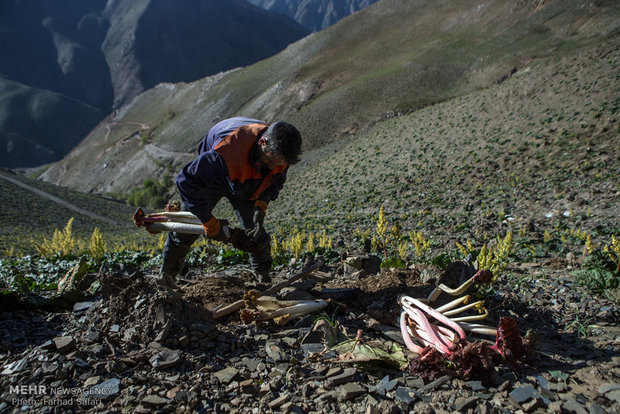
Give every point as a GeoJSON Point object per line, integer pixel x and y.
{"type": "Point", "coordinates": [135, 348]}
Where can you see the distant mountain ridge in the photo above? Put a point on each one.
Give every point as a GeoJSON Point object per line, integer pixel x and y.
{"type": "Point", "coordinates": [314, 15]}
{"type": "Point", "coordinates": [66, 64]}
{"type": "Point", "coordinates": [385, 60]}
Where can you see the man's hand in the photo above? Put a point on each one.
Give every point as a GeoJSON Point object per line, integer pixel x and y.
{"type": "Point", "coordinates": [217, 230]}
{"type": "Point", "coordinates": [258, 231]}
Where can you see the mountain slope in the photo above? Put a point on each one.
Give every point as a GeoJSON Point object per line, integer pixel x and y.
{"type": "Point", "coordinates": [101, 54]}
{"type": "Point", "coordinates": [31, 119]}
{"type": "Point", "coordinates": [32, 210]}
{"type": "Point", "coordinates": [169, 41]}
{"type": "Point", "coordinates": [314, 15]}
{"type": "Point", "coordinates": [538, 151]}
{"type": "Point", "coordinates": [336, 83]}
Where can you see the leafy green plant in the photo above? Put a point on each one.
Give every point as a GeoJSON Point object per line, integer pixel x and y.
{"type": "Point", "coordinates": [598, 272]}
{"type": "Point", "coordinates": [330, 319]}
{"type": "Point", "coordinates": [31, 274]}
{"type": "Point", "coordinates": [581, 325]}
{"type": "Point", "coordinates": [559, 376]}
{"type": "Point", "coordinates": [393, 262]}
{"type": "Point", "coordinates": [231, 257]}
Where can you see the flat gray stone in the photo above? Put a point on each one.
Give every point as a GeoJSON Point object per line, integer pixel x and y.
{"type": "Point", "coordinates": [605, 388]}
{"type": "Point", "coordinates": [464, 404]}
{"type": "Point", "coordinates": [613, 395]}
{"type": "Point", "coordinates": [435, 384]}
{"type": "Point", "coordinates": [332, 372]}
{"type": "Point", "coordinates": [64, 344]}
{"type": "Point", "coordinates": [226, 375]}
{"type": "Point", "coordinates": [251, 364]}
{"type": "Point", "coordinates": [347, 375]}
{"type": "Point", "coordinates": [275, 352]}
{"type": "Point", "coordinates": [327, 396]}
{"type": "Point", "coordinates": [523, 394]}
{"type": "Point", "coordinates": [16, 366]}
{"type": "Point", "coordinates": [405, 395]}
{"type": "Point", "coordinates": [165, 359]}
{"type": "Point", "coordinates": [279, 401]}
{"type": "Point", "coordinates": [350, 391]}
{"type": "Point", "coordinates": [543, 382]}
{"type": "Point", "coordinates": [155, 401]}
{"type": "Point", "coordinates": [572, 405]}
{"type": "Point", "coordinates": [106, 390]}
{"type": "Point", "coordinates": [476, 386]}
{"type": "Point", "coordinates": [384, 386]}
{"type": "Point", "coordinates": [594, 408]}
{"type": "Point", "coordinates": [82, 306]}
{"type": "Point", "coordinates": [312, 348]}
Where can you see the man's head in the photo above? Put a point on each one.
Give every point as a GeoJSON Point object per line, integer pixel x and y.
{"type": "Point", "coordinates": [281, 142]}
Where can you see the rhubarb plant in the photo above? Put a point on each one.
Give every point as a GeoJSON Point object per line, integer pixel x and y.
{"type": "Point", "coordinates": [438, 335]}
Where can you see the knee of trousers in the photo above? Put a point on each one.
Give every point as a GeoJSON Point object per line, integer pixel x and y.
{"type": "Point", "coordinates": [177, 246]}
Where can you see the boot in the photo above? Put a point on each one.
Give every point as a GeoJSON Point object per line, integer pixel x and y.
{"type": "Point", "coordinates": [263, 276]}
{"type": "Point", "coordinates": [168, 273]}
{"type": "Point", "coordinates": [167, 282]}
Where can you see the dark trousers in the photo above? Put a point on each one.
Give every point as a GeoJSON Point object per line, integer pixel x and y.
{"type": "Point", "coordinates": [178, 244]}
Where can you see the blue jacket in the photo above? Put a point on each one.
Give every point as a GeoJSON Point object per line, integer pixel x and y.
{"type": "Point", "coordinates": [226, 166]}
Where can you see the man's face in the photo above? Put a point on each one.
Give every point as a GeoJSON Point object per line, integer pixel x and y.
{"type": "Point", "coordinates": [268, 159]}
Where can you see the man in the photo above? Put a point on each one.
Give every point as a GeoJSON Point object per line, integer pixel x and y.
{"type": "Point", "coordinates": [244, 160]}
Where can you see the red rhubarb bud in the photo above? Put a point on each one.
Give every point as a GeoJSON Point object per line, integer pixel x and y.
{"type": "Point", "coordinates": [483, 276]}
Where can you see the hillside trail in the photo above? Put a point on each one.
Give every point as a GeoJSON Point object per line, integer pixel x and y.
{"type": "Point", "coordinates": [55, 199]}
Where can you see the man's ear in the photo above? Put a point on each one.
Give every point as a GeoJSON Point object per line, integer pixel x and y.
{"type": "Point", "coordinates": [262, 141]}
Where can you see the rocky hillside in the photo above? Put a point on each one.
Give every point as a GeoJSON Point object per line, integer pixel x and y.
{"type": "Point", "coordinates": [65, 66]}
{"type": "Point", "coordinates": [336, 83]}
{"type": "Point", "coordinates": [314, 15]}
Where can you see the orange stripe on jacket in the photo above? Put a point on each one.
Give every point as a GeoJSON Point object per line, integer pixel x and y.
{"type": "Point", "coordinates": [235, 149]}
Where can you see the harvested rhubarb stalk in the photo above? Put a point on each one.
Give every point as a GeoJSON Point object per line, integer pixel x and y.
{"type": "Point", "coordinates": [482, 276]}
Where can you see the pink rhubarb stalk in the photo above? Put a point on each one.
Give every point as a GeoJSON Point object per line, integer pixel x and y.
{"type": "Point", "coordinates": [409, 301]}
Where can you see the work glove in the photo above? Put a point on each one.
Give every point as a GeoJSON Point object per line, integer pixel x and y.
{"type": "Point", "coordinates": [258, 232]}
{"type": "Point", "coordinates": [217, 229]}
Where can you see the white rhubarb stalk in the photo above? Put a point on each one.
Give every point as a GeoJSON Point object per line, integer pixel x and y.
{"type": "Point", "coordinates": [451, 305]}
{"type": "Point", "coordinates": [301, 308]}
{"type": "Point", "coordinates": [472, 317]}
{"type": "Point", "coordinates": [174, 226]}
{"type": "Point", "coordinates": [456, 311]}
{"type": "Point", "coordinates": [478, 328]}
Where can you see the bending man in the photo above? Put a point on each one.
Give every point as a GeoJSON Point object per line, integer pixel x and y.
{"type": "Point", "coordinates": [245, 161]}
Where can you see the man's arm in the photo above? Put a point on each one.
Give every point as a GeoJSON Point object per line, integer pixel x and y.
{"type": "Point", "coordinates": [206, 173]}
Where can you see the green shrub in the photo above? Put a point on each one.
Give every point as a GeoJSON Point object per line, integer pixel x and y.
{"type": "Point", "coordinates": [151, 194]}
